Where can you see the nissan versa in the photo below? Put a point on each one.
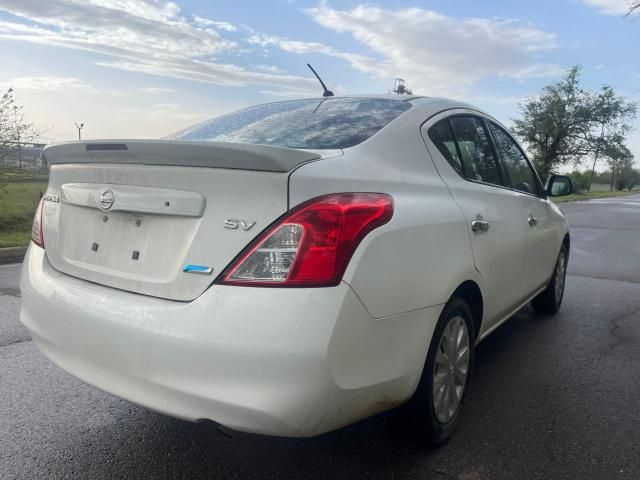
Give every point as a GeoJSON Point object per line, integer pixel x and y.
{"type": "Point", "coordinates": [293, 267]}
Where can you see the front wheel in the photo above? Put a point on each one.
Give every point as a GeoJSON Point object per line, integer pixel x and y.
{"type": "Point", "coordinates": [548, 302]}
{"type": "Point", "coordinates": [436, 405]}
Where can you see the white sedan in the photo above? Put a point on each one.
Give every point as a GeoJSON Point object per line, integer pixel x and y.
{"type": "Point", "coordinates": [293, 267]}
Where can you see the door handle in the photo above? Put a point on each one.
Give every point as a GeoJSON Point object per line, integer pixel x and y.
{"type": "Point", "coordinates": [478, 226]}
{"type": "Point", "coordinates": [532, 221]}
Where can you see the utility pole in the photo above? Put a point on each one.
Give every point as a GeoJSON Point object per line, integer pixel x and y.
{"type": "Point", "coordinates": [79, 127]}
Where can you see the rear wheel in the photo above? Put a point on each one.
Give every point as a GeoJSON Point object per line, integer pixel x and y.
{"type": "Point", "coordinates": [436, 405]}
{"type": "Point", "coordinates": [548, 302]}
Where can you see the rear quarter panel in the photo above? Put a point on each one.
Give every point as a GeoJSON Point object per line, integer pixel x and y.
{"type": "Point", "coordinates": [423, 254]}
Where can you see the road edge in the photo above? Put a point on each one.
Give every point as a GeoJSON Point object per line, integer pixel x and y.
{"type": "Point", "coordinates": [12, 255]}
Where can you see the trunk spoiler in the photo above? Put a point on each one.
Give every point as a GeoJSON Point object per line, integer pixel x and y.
{"type": "Point", "coordinates": [240, 156]}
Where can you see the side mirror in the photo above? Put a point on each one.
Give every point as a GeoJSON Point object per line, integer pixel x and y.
{"type": "Point", "coordinates": [559, 186]}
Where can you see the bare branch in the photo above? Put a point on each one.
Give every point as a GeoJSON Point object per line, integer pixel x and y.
{"type": "Point", "coordinates": [14, 130]}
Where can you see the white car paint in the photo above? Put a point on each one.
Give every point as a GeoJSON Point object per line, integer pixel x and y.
{"type": "Point", "coordinates": [166, 241]}
{"type": "Point", "coordinates": [278, 361]}
{"type": "Point", "coordinates": [511, 247]}
{"type": "Point", "coordinates": [264, 360]}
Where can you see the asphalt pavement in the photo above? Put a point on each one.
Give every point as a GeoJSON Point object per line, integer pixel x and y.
{"type": "Point", "coordinates": [552, 398]}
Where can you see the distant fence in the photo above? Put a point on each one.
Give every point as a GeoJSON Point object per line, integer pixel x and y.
{"type": "Point", "coordinates": [22, 155]}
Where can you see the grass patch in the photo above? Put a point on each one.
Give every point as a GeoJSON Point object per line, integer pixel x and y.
{"type": "Point", "coordinates": [15, 175]}
{"type": "Point", "coordinates": [576, 197]}
{"type": "Point", "coordinates": [18, 202]}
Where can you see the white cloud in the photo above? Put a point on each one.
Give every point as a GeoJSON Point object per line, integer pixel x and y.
{"type": "Point", "coordinates": [156, 90]}
{"type": "Point", "coordinates": [361, 62]}
{"type": "Point", "coordinates": [534, 71]}
{"type": "Point", "coordinates": [268, 68]}
{"type": "Point", "coordinates": [610, 7]}
{"type": "Point", "coordinates": [435, 53]}
{"type": "Point", "coordinates": [115, 27]}
{"type": "Point", "coordinates": [167, 106]}
{"type": "Point", "coordinates": [46, 84]}
{"type": "Point", "coordinates": [207, 22]}
{"type": "Point", "coordinates": [150, 36]}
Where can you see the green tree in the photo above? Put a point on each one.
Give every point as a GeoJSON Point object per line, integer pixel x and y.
{"type": "Point", "coordinates": [633, 179]}
{"type": "Point", "coordinates": [625, 176]}
{"type": "Point", "coordinates": [619, 159]}
{"type": "Point", "coordinates": [14, 130]}
{"type": "Point", "coordinates": [581, 180]}
{"type": "Point", "coordinates": [567, 123]}
{"type": "Point", "coordinates": [612, 114]}
{"type": "Point", "coordinates": [602, 177]}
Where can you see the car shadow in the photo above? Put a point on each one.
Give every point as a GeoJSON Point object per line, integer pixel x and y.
{"type": "Point", "coordinates": [142, 444]}
{"type": "Point", "coordinates": [506, 337]}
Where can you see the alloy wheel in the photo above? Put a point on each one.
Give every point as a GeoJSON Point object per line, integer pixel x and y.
{"type": "Point", "coordinates": [450, 369]}
{"type": "Point", "coordinates": [561, 269]}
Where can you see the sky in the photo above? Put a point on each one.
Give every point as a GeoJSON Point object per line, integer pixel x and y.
{"type": "Point", "coordinates": [147, 68]}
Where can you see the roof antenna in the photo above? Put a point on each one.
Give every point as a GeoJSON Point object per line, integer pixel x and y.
{"type": "Point", "coordinates": [327, 92]}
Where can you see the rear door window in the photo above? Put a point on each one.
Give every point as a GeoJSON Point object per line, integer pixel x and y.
{"type": "Point", "coordinates": [478, 157]}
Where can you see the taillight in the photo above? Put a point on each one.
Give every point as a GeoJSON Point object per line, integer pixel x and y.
{"type": "Point", "coordinates": [36, 228]}
{"type": "Point", "coordinates": [311, 245]}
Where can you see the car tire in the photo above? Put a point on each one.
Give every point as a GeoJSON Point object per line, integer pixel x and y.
{"type": "Point", "coordinates": [548, 301]}
{"type": "Point", "coordinates": [433, 416]}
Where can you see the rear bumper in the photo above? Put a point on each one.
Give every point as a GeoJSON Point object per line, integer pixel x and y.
{"type": "Point", "coordinates": [290, 362]}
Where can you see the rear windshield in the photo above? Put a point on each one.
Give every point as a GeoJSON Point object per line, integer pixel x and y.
{"type": "Point", "coordinates": [316, 124]}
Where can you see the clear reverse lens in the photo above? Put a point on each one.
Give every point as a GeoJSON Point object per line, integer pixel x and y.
{"type": "Point", "coordinates": [272, 260]}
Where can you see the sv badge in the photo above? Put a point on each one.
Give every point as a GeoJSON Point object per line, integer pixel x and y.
{"type": "Point", "coordinates": [234, 224]}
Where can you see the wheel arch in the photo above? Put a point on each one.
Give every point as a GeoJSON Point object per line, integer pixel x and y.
{"type": "Point", "coordinates": [470, 292]}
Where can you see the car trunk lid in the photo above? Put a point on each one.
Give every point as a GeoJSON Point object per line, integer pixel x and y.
{"type": "Point", "coordinates": [135, 215]}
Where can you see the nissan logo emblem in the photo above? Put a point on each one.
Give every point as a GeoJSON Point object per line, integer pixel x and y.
{"type": "Point", "coordinates": [106, 199]}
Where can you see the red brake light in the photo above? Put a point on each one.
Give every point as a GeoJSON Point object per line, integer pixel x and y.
{"type": "Point", "coordinates": [311, 245]}
{"type": "Point", "coordinates": [36, 228]}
